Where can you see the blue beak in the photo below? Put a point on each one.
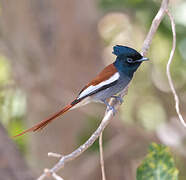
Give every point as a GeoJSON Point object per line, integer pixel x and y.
{"type": "Point", "coordinates": [142, 59]}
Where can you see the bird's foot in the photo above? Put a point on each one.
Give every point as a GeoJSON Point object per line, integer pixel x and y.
{"type": "Point", "coordinates": [118, 98]}
{"type": "Point", "coordinates": [111, 108]}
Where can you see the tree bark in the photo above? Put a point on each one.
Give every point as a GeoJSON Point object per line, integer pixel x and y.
{"type": "Point", "coordinates": [12, 165]}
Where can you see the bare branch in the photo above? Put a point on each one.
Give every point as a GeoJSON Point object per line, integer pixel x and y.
{"type": "Point", "coordinates": [55, 176]}
{"type": "Point", "coordinates": [69, 157]}
{"type": "Point", "coordinates": [56, 155]}
{"type": "Point", "coordinates": [154, 26]}
{"type": "Point", "coordinates": [168, 70]}
{"type": "Point", "coordinates": [48, 173]}
{"type": "Point", "coordinates": [109, 114]}
{"type": "Point", "coordinates": [101, 156]}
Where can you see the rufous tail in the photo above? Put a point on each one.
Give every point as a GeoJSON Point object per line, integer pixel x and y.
{"type": "Point", "coordinates": [45, 122]}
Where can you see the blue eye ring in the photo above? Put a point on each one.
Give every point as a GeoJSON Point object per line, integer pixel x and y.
{"type": "Point", "coordinates": [130, 60]}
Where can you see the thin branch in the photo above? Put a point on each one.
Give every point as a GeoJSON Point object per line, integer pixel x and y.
{"type": "Point", "coordinates": [168, 70]}
{"type": "Point", "coordinates": [56, 155]}
{"type": "Point", "coordinates": [55, 176]}
{"type": "Point", "coordinates": [109, 114]}
{"type": "Point", "coordinates": [154, 26]}
{"type": "Point", "coordinates": [107, 118]}
{"type": "Point", "coordinates": [101, 156]}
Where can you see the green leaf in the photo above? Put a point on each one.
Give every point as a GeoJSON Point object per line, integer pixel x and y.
{"type": "Point", "coordinates": [157, 165]}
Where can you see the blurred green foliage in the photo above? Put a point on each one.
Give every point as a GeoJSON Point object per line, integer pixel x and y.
{"type": "Point", "coordinates": [4, 71]}
{"type": "Point", "coordinates": [12, 103]}
{"type": "Point", "coordinates": [157, 165]}
{"type": "Point", "coordinates": [126, 4]}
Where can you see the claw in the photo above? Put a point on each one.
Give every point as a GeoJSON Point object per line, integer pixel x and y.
{"type": "Point", "coordinates": [111, 108]}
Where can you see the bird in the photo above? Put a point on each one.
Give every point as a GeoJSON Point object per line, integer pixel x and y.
{"type": "Point", "coordinates": [112, 80]}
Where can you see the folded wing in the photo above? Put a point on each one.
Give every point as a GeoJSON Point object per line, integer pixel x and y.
{"type": "Point", "coordinates": [107, 78]}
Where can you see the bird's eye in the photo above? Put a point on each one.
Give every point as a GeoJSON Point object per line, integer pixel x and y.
{"type": "Point", "coordinates": [130, 60]}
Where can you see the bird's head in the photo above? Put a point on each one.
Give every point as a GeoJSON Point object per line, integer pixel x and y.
{"type": "Point", "coordinates": [128, 60]}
